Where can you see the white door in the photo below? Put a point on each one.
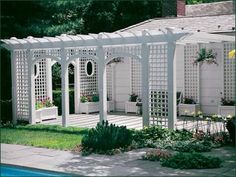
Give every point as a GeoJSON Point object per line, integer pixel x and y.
{"type": "Point", "coordinates": [122, 85]}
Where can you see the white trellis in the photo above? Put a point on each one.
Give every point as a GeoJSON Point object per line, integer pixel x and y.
{"type": "Point", "coordinates": [152, 70]}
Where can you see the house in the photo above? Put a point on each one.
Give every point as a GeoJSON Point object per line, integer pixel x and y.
{"type": "Point", "coordinates": [132, 60]}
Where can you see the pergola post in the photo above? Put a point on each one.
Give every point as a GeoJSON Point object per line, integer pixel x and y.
{"type": "Point", "coordinates": [171, 80]}
{"type": "Point", "coordinates": [13, 86]}
{"type": "Point", "coordinates": [102, 85]}
{"type": "Point", "coordinates": [145, 84]}
{"type": "Point", "coordinates": [49, 78]}
{"type": "Point", "coordinates": [77, 85]}
{"type": "Point", "coordinates": [31, 85]}
{"type": "Point", "coordinates": [64, 89]}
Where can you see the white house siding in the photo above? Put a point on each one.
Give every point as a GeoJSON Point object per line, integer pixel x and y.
{"type": "Point", "coordinates": [122, 84]}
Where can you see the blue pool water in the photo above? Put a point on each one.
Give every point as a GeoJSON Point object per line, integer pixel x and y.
{"type": "Point", "coordinates": [10, 170]}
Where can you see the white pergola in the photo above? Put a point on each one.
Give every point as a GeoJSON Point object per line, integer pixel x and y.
{"type": "Point", "coordinates": [155, 50]}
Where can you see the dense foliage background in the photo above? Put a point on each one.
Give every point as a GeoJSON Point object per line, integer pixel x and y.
{"type": "Point", "coordinates": [54, 17]}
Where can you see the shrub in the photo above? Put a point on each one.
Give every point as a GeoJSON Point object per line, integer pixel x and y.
{"type": "Point", "coordinates": [192, 146]}
{"type": "Point", "coordinates": [189, 101]}
{"type": "Point", "coordinates": [95, 98]}
{"type": "Point", "coordinates": [191, 161]}
{"type": "Point", "coordinates": [106, 137]}
{"type": "Point", "coordinates": [150, 136]}
{"type": "Point", "coordinates": [225, 102]}
{"type": "Point", "coordinates": [156, 155]}
{"type": "Point", "coordinates": [180, 135]}
{"type": "Point", "coordinates": [133, 97]}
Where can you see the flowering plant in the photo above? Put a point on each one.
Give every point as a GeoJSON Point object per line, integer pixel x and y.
{"type": "Point", "coordinates": [44, 103]}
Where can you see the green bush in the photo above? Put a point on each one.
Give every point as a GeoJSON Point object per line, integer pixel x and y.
{"type": "Point", "coordinates": [57, 100]}
{"type": "Point", "coordinates": [150, 136]}
{"type": "Point", "coordinates": [192, 146]}
{"type": "Point", "coordinates": [191, 161]}
{"type": "Point", "coordinates": [106, 137]}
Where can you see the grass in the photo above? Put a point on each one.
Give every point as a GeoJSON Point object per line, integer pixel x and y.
{"type": "Point", "coordinates": [47, 136]}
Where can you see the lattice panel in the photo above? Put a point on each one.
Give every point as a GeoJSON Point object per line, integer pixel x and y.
{"type": "Point", "coordinates": [229, 72]}
{"type": "Point", "coordinates": [22, 92]}
{"type": "Point", "coordinates": [88, 84]}
{"type": "Point", "coordinates": [191, 73]}
{"type": "Point", "coordinates": [158, 85]}
{"type": "Point", "coordinates": [41, 81]}
{"type": "Point", "coordinates": [50, 52]}
{"type": "Point", "coordinates": [136, 77]}
{"type": "Point", "coordinates": [109, 81]}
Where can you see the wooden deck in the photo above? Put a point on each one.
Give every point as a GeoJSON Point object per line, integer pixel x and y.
{"type": "Point", "coordinates": [132, 121]}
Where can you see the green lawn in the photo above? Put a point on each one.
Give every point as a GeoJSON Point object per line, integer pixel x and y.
{"type": "Point", "coordinates": [55, 137]}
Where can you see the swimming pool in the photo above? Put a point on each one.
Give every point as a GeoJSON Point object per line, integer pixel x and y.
{"type": "Point", "coordinates": [12, 170]}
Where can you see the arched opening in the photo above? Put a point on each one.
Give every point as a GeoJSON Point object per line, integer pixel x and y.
{"type": "Point", "coordinates": [47, 89]}
{"type": "Point", "coordinates": [124, 84]}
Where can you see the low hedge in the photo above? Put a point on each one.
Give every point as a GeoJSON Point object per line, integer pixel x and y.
{"type": "Point", "coordinates": [191, 161]}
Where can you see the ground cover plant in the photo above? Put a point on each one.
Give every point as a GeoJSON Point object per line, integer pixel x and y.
{"type": "Point", "coordinates": [47, 136]}
{"type": "Point", "coordinates": [106, 138]}
{"type": "Point", "coordinates": [191, 161]}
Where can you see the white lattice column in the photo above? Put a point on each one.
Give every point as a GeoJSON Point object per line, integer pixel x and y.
{"type": "Point", "coordinates": [145, 84]}
{"type": "Point", "coordinates": [171, 81]}
{"type": "Point", "coordinates": [77, 85]}
{"type": "Point", "coordinates": [31, 85]}
{"type": "Point", "coordinates": [49, 78]}
{"type": "Point", "coordinates": [13, 85]}
{"type": "Point", "coordinates": [102, 85]}
{"type": "Point", "coordinates": [64, 89]}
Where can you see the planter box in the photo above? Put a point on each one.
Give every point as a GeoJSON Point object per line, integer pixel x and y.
{"type": "Point", "coordinates": [188, 109]}
{"type": "Point", "coordinates": [46, 113]}
{"type": "Point", "coordinates": [226, 110]}
{"type": "Point", "coordinates": [92, 107]}
{"type": "Point", "coordinates": [110, 106]}
{"type": "Point", "coordinates": [131, 107]}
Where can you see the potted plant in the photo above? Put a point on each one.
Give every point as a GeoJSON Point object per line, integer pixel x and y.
{"type": "Point", "coordinates": [189, 107]}
{"type": "Point", "coordinates": [45, 110]}
{"type": "Point", "coordinates": [131, 105]}
{"type": "Point", "coordinates": [206, 56]}
{"type": "Point", "coordinates": [90, 104]}
{"type": "Point", "coordinates": [227, 107]}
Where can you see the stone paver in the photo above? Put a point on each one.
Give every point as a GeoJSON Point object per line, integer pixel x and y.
{"type": "Point", "coordinates": [125, 164]}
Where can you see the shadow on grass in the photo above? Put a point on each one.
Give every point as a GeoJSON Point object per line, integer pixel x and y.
{"type": "Point", "coordinates": [51, 128]}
